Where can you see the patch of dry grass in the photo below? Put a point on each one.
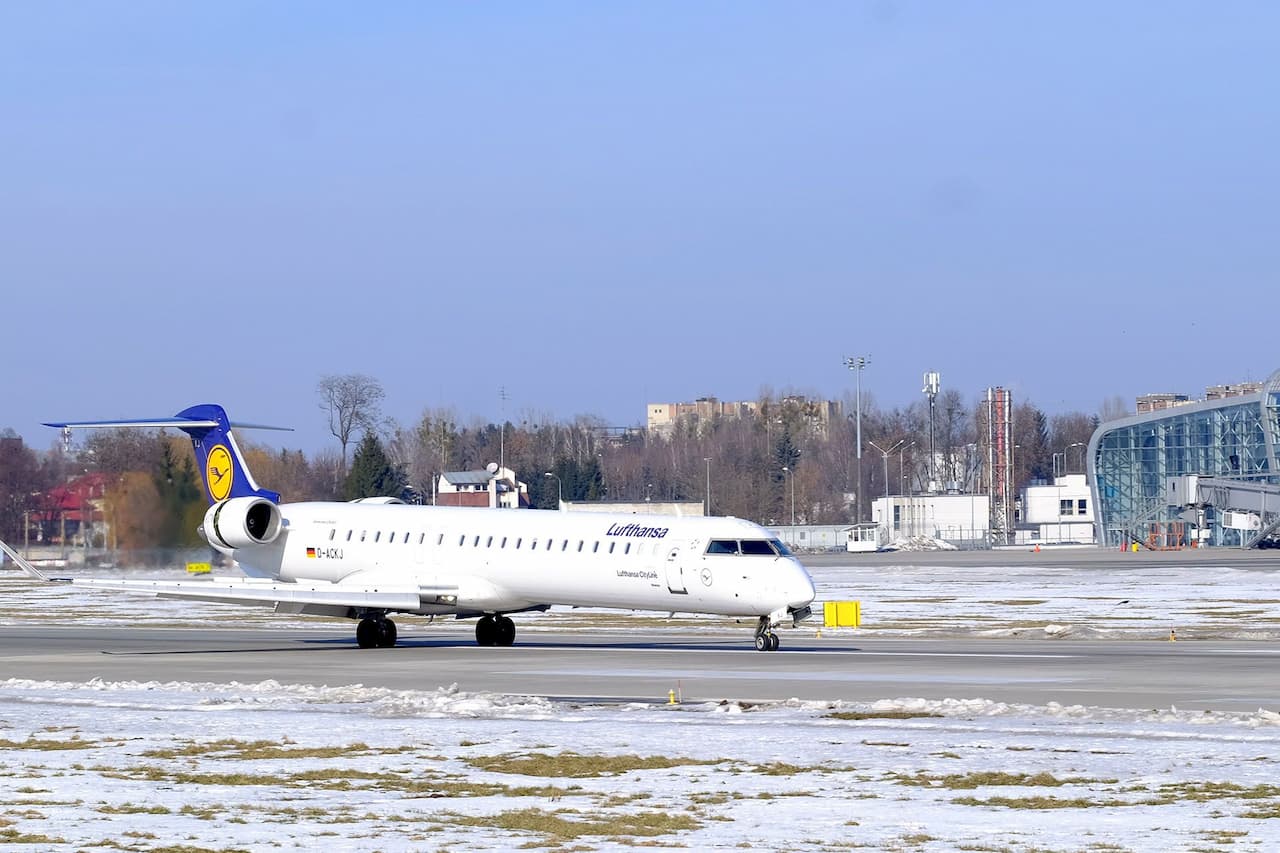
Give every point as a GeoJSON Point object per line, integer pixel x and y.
{"type": "Point", "coordinates": [572, 765]}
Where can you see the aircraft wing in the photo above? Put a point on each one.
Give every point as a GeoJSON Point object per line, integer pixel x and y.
{"type": "Point", "coordinates": [244, 591]}
{"type": "Point", "coordinates": [370, 594]}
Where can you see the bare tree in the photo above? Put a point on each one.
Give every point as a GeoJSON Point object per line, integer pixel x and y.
{"type": "Point", "coordinates": [1114, 408]}
{"type": "Point", "coordinates": [351, 400]}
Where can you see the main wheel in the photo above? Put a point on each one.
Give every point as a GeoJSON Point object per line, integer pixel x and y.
{"type": "Point", "coordinates": [762, 642]}
{"type": "Point", "coordinates": [367, 634]}
{"type": "Point", "coordinates": [386, 633]}
{"type": "Point", "coordinates": [486, 631]}
{"type": "Point", "coordinates": [506, 631]}
{"type": "Point", "coordinates": [774, 642]}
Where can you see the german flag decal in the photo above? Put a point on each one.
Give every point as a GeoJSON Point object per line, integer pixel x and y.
{"type": "Point", "coordinates": [311, 552]}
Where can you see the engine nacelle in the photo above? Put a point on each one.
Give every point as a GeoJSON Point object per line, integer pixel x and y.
{"type": "Point", "coordinates": [241, 522]}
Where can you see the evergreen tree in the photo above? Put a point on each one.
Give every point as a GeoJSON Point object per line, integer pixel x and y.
{"type": "Point", "coordinates": [181, 499]}
{"type": "Point", "coordinates": [372, 474]}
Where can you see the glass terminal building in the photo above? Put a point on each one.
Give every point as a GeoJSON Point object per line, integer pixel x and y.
{"type": "Point", "coordinates": [1195, 474]}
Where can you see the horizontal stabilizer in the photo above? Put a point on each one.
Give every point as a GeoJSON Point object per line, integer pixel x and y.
{"type": "Point", "coordinates": [24, 565]}
{"type": "Point", "coordinates": [154, 423]}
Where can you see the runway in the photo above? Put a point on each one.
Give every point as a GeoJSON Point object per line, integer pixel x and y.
{"type": "Point", "coordinates": [699, 665]}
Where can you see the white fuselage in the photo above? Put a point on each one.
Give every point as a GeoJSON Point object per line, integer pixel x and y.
{"type": "Point", "coordinates": [467, 561]}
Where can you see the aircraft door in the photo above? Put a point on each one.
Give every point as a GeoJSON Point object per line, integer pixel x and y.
{"type": "Point", "coordinates": [675, 573]}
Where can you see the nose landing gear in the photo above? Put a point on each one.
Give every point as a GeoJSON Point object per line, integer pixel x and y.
{"type": "Point", "coordinates": [766, 640]}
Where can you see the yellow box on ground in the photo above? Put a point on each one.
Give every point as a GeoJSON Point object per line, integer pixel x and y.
{"type": "Point", "coordinates": [199, 568]}
{"type": "Point", "coordinates": [841, 614]}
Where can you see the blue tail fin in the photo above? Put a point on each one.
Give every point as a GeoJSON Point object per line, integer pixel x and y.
{"type": "Point", "coordinates": [218, 458]}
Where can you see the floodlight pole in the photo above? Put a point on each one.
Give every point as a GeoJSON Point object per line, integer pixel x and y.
{"type": "Point", "coordinates": [858, 363]}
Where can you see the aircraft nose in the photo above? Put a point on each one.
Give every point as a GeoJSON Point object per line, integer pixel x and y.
{"type": "Point", "coordinates": [799, 587]}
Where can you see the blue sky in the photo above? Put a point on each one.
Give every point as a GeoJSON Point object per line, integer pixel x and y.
{"type": "Point", "coordinates": [595, 205]}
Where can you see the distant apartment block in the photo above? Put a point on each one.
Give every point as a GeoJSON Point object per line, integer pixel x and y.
{"type": "Point", "coordinates": [1221, 392]}
{"type": "Point", "coordinates": [1157, 402]}
{"type": "Point", "coordinates": [662, 418]}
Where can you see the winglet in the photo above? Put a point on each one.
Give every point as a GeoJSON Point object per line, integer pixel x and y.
{"type": "Point", "coordinates": [25, 566]}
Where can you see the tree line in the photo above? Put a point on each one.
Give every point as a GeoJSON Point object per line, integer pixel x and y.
{"type": "Point", "coordinates": [757, 467]}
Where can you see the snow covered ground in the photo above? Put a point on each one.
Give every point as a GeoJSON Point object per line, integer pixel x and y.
{"type": "Point", "coordinates": [265, 766]}
{"type": "Point", "coordinates": [185, 766]}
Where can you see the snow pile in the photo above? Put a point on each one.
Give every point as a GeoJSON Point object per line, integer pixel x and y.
{"type": "Point", "coordinates": [920, 543]}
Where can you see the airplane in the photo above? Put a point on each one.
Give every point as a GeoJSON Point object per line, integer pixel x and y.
{"type": "Point", "coordinates": [369, 558]}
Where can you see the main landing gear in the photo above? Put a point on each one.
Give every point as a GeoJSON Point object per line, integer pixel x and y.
{"type": "Point", "coordinates": [496, 630]}
{"type": "Point", "coordinates": [375, 632]}
{"type": "Point", "coordinates": [766, 640]}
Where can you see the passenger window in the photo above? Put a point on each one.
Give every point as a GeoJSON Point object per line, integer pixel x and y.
{"type": "Point", "coordinates": [349, 532]}
{"type": "Point", "coordinates": [391, 537]}
{"type": "Point", "coordinates": [504, 542]}
{"type": "Point", "coordinates": [757, 548]}
{"type": "Point", "coordinates": [363, 533]}
{"type": "Point", "coordinates": [549, 544]}
{"type": "Point", "coordinates": [533, 545]}
{"type": "Point", "coordinates": [580, 544]}
{"type": "Point", "coordinates": [595, 547]}
{"type": "Point", "coordinates": [611, 544]}
{"type": "Point", "coordinates": [627, 548]}
{"type": "Point", "coordinates": [722, 546]}
{"type": "Point", "coordinates": [377, 536]}
{"type": "Point", "coordinates": [440, 539]}
{"type": "Point", "coordinates": [489, 542]}
{"type": "Point", "coordinates": [564, 546]}
{"type": "Point", "coordinates": [333, 531]}
{"type": "Point", "coordinates": [406, 537]}
{"type": "Point", "coordinates": [475, 543]}
{"type": "Point", "coordinates": [462, 540]}
{"type": "Point", "coordinates": [422, 538]}
{"type": "Point", "coordinates": [518, 541]}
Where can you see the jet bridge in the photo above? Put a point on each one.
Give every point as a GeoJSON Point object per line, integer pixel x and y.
{"type": "Point", "coordinates": [1249, 507]}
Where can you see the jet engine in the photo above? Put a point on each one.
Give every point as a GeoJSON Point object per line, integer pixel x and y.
{"type": "Point", "coordinates": [241, 522]}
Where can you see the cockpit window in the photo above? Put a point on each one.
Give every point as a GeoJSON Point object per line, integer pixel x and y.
{"type": "Point", "coordinates": [757, 547]}
{"type": "Point", "coordinates": [780, 548]}
{"type": "Point", "coordinates": [722, 546]}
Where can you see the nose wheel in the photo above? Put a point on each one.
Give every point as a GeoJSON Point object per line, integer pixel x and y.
{"type": "Point", "coordinates": [766, 640]}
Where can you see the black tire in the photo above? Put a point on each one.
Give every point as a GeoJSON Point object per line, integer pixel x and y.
{"type": "Point", "coordinates": [774, 642]}
{"type": "Point", "coordinates": [386, 634]}
{"type": "Point", "coordinates": [506, 631]}
{"type": "Point", "coordinates": [486, 631]}
{"type": "Point", "coordinates": [367, 634]}
{"type": "Point", "coordinates": [762, 642]}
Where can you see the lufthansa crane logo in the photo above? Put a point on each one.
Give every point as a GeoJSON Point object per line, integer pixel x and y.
{"type": "Point", "coordinates": [217, 472]}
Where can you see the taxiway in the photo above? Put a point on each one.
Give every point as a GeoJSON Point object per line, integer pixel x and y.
{"type": "Point", "coordinates": [699, 665]}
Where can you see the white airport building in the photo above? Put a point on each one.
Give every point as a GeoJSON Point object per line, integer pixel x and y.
{"type": "Point", "coordinates": [1060, 513]}
{"type": "Point", "coordinates": [962, 520]}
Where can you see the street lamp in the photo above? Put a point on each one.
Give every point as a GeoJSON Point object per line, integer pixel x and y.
{"type": "Point", "coordinates": [858, 363]}
{"type": "Point", "coordinates": [906, 487]}
{"type": "Point", "coordinates": [902, 474]}
{"type": "Point", "coordinates": [559, 488]}
{"type": "Point", "coordinates": [707, 509]}
{"type": "Point", "coordinates": [885, 455]}
{"type": "Point", "coordinates": [791, 475]}
{"type": "Point", "coordinates": [1064, 455]}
